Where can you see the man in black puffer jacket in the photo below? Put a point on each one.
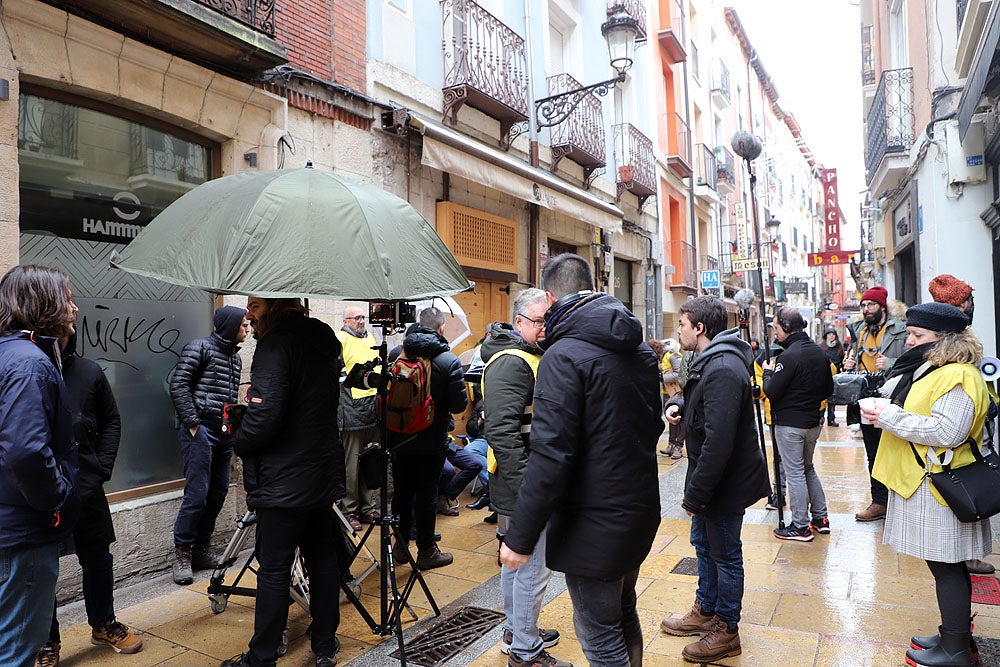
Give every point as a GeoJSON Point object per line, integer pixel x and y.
{"type": "Point", "coordinates": [293, 472]}
{"type": "Point", "coordinates": [797, 384]}
{"type": "Point", "coordinates": [591, 474]}
{"type": "Point", "coordinates": [726, 474]}
{"type": "Point", "coordinates": [420, 457]}
{"type": "Point", "coordinates": [206, 378]}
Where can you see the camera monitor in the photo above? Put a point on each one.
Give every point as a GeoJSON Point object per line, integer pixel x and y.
{"type": "Point", "coordinates": [391, 313]}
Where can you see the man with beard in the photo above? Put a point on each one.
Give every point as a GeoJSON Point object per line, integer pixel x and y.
{"type": "Point", "coordinates": [591, 480]}
{"type": "Point", "coordinates": [293, 472]}
{"type": "Point", "coordinates": [726, 474]}
{"type": "Point", "coordinates": [358, 417]}
{"type": "Point", "coordinates": [879, 341]}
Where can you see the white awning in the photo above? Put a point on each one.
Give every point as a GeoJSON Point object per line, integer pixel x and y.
{"type": "Point", "coordinates": [452, 152]}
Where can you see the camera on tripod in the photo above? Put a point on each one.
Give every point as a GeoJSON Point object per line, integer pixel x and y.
{"type": "Point", "coordinates": [363, 376]}
{"type": "Point", "coordinates": [393, 314]}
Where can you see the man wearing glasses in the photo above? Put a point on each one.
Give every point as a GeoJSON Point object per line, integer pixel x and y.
{"type": "Point", "coordinates": [358, 417]}
{"type": "Point", "coordinates": [879, 341]}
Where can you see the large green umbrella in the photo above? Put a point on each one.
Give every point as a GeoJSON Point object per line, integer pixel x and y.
{"type": "Point", "coordinates": [295, 233]}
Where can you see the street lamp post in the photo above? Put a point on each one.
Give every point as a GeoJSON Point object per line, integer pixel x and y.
{"type": "Point", "coordinates": [620, 31]}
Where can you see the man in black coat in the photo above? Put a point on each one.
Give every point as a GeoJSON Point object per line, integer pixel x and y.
{"type": "Point", "coordinates": [206, 378]}
{"type": "Point", "coordinates": [797, 384]}
{"type": "Point", "coordinates": [726, 474]}
{"type": "Point", "coordinates": [418, 458]}
{"type": "Point", "coordinates": [293, 473]}
{"type": "Point", "coordinates": [591, 475]}
{"type": "Point", "coordinates": [98, 428]}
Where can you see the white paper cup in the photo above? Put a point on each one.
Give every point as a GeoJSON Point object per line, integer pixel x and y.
{"type": "Point", "coordinates": [870, 403]}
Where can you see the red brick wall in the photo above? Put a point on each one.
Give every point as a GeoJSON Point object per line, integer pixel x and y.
{"type": "Point", "coordinates": [325, 38]}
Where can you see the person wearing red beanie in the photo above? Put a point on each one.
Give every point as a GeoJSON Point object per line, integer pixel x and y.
{"type": "Point", "coordinates": [879, 341]}
{"type": "Point", "coordinates": [946, 288]}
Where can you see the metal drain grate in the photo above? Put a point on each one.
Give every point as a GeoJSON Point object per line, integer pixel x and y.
{"type": "Point", "coordinates": [989, 651]}
{"type": "Point", "coordinates": [451, 636]}
{"type": "Point", "coordinates": [687, 566]}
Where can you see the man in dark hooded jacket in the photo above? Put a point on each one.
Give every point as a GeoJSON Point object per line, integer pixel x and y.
{"type": "Point", "coordinates": [418, 458]}
{"type": "Point", "coordinates": [726, 474]}
{"type": "Point", "coordinates": [591, 474]}
{"type": "Point", "coordinates": [293, 473]}
{"type": "Point", "coordinates": [207, 377]}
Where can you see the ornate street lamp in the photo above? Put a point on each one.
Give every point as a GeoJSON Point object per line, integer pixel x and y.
{"type": "Point", "coordinates": [620, 31]}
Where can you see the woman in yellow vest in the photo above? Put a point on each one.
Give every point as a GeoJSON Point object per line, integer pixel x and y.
{"type": "Point", "coordinates": [936, 415]}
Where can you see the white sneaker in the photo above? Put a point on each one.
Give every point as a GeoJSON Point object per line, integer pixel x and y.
{"type": "Point", "coordinates": [854, 427]}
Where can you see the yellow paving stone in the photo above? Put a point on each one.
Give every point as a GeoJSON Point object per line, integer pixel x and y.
{"type": "Point", "coordinates": [218, 635]}
{"type": "Point", "coordinates": [761, 552]}
{"type": "Point", "coordinates": [161, 610]}
{"type": "Point", "coordinates": [77, 650]}
{"type": "Point", "coordinates": [836, 651]}
{"type": "Point", "coordinates": [658, 566]}
{"type": "Point", "coordinates": [447, 589]}
{"type": "Point", "coordinates": [471, 565]}
{"type": "Point", "coordinates": [801, 581]}
{"type": "Point", "coordinates": [813, 555]}
{"type": "Point", "coordinates": [907, 591]}
{"type": "Point", "coordinates": [668, 596]}
{"type": "Point", "coordinates": [851, 618]}
{"type": "Point", "coordinates": [761, 646]}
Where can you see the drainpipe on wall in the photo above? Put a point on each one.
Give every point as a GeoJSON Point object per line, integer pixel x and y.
{"type": "Point", "coordinates": [693, 219]}
{"type": "Point", "coordinates": [533, 240]}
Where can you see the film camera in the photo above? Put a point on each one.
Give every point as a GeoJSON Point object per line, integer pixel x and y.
{"type": "Point", "coordinates": [363, 376]}
{"type": "Point", "coordinates": [392, 314]}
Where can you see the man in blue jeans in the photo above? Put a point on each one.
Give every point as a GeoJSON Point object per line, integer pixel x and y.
{"type": "Point", "coordinates": [590, 483]}
{"type": "Point", "coordinates": [207, 377]}
{"type": "Point", "coordinates": [726, 474]}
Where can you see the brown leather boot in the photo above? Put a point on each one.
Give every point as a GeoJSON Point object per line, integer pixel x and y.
{"type": "Point", "coordinates": [719, 643]}
{"type": "Point", "coordinates": [873, 512]}
{"type": "Point", "coordinates": [692, 623]}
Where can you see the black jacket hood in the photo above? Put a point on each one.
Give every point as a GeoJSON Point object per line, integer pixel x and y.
{"type": "Point", "coordinates": [423, 342]}
{"type": "Point", "coordinates": [596, 317]}
{"type": "Point", "coordinates": [727, 341]}
{"type": "Point", "coordinates": [503, 337]}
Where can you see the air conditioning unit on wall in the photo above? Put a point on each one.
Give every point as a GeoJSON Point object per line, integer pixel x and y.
{"type": "Point", "coordinates": [966, 161]}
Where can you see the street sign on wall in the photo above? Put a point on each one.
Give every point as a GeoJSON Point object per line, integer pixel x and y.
{"type": "Point", "coordinates": [831, 258]}
{"type": "Point", "coordinates": [751, 264]}
{"type": "Point", "coordinates": [710, 280]}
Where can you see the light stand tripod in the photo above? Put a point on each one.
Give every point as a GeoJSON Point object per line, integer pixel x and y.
{"type": "Point", "coordinates": [392, 600]}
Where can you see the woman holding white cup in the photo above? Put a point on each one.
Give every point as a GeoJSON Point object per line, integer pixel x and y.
{"type": "Point", "coordinates": [935, 406]}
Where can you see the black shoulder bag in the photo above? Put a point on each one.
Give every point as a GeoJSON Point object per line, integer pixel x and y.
{"type": "Point", "coordinates": [972, 491]}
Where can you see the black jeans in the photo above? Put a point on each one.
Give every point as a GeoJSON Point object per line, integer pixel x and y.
{"type": "Point", "coordinates": [415, 476]}
{"type": "Point", "coordinates": [98, 587]}
{"type": "Point", "coordinates": [279, 532]}
{"type": "Point", "coordinates": [872, 435]}
{"type": "Point", "coordinates": [954, 594]}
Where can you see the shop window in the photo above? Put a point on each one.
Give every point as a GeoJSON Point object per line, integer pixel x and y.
{"type": "Point", "coordinates": [89, 182]}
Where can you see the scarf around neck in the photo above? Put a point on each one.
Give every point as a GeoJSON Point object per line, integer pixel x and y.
{"type": "Point", "coordinates": [905, 368]}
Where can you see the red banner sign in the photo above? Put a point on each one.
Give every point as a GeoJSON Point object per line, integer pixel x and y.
{"type": "Point", "coordinates": [828, 258]}
{"type": "Point", "coordinates": [831, 206]}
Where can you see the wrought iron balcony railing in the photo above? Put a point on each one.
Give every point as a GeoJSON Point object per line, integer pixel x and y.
{"type": "Point", "coordinates": [682, 256]}
{"type": "Point", "coordinates": [634, 8]}
{"type": "Point", "coordinates": [161, 156]}
{"type": "Point", "coordinates": [867, 55]}
{"type": "Point", "coordinates": [581, 136]}
{"type": "Point", "coordinates": [709, 263]}
{"type": "Point", "coordinates": [634, 160]}
{"type": "Point", "coordinates": [725, 169]}
{"type": "Point", "coordinates": [258, 14]}
{"type": "Point", "coordinates": [47, 127]}
{"type": "Point", "coordinates": [674, 134]}
{"type": "Point", "coordinates": [706, 166]}
{"type": "Point", "coordinates": [720, 81]}
{"type": "Point", "coordinates": [485, 65]}
{"type": "Point", "coordinates": [890, 122]}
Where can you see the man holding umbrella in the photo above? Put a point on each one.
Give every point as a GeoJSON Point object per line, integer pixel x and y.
{"type": "Point", "coordinates": [293, 472]}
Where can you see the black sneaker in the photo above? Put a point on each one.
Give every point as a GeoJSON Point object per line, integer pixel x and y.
{"type": "Point", "coordinates": [792, 532]}
{"type": "Point", "coordinates": [821, 526]}
{"type": "Point", "coordinates": [543, 659]}
{"type": "Point", "coordinates": [549, 637]}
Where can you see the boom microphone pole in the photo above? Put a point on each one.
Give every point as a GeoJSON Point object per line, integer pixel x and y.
{"type": "Point", "coordinates": [749, 147]}
{"type": "Point", "coordinates": [744, 302]}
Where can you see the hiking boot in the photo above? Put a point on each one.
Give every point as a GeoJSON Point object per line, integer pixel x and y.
{"type": "Point", "coordinates": [117, 636]}
{"type": "Point", "coordinates": [793, 532]}
{"type": "Point", "coordinates": [977, 566]}
{"type": "Point", "coordinates": [719, 643]}
{"type": "Point", "coordinates": [401, 552]}
{"type": "Point", "coordinates": [873, 512]}
{"type": "Point", "coordinates": [445, 507]}
{"type": "Point", "coordinates": [952, 651]}
{"type": "Point", "coordinates": [204, 557]}
{"type": "Point", "coordinates": [48, 655]}
{"type": "Point", "coordinates": [183, 575]}
{"type": "Point", "coordinates": [549, 639]}
{"type": "Point", "coordinates": [543, 659]}
{"type": "Point", "coordinates": [821, 525]}
{"type": "Point", "coordinates": [432, 558]}
{"type": "Point", "coordinates": [692, 623]}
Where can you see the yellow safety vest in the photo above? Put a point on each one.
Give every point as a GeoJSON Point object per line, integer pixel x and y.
{"type": "Point", "coordinates": [895, 465]}
{"type": "Point", "coordinates": [357, 351]}
{"type": "Point", "coordinates": [532, 360]}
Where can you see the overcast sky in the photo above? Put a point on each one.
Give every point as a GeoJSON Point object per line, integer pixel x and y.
{"type": "Point", "coordinates": [812, 50]}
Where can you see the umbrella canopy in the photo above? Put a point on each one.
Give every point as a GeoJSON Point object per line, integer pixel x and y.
{"type": "Point", "coordinates": [295, 233]}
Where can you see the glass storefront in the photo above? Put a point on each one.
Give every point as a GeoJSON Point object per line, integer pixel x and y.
{"type": "Point", "coordinates": [89, 182]}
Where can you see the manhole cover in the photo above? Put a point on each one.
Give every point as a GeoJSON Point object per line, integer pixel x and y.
{"type": "Point", "coordinates": [451, 636]}
{"type": "Point", "coordinates": [985, 590]}
{"type": "Point", "coordinates": [687, 566]}
{"type": "Point", "coordinates": [989, 651]}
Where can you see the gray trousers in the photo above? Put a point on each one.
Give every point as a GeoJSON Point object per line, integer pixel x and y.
{"type": "Point", "coordinates": [805, 492]}
{"type": "Point", "coordinates": [359, 499]}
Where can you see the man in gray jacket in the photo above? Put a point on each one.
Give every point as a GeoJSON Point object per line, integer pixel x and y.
{"type": "Point", "coordinates": [512, 355]}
